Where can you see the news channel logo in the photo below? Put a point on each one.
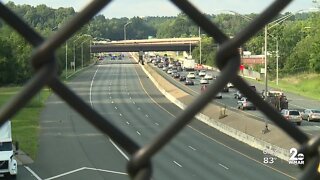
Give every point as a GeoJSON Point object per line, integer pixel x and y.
{"type": "Point", "coordinates": [295, 157]}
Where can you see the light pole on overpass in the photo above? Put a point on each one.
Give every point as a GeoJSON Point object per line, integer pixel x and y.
{"type": "Point", "coordinates": [124, 30]}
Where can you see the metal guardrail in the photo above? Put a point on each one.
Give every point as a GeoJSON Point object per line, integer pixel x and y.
{"type": "Point", "coordinates": [228, 61]}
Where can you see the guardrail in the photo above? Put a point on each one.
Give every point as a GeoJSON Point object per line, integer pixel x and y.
{"type": "Point", "coordinates": [228, 61]}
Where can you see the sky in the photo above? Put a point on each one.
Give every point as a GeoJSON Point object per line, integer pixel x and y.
{"type": "Point", "coordinates": [131, 8]}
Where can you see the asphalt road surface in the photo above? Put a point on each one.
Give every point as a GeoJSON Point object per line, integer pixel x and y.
{"type": "Point", "coordinates": [295, 101]}
{"type": "Point", "coordinates": [71, 148]}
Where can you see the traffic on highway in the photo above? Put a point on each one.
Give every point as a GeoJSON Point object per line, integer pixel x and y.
{"type": "Point", "coordinates": [198, 78]}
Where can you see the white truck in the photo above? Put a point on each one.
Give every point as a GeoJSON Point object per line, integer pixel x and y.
{"type": "Point", "coordinates": [8, 165]}
{"type": "Point", "coordinates": [188, 64]}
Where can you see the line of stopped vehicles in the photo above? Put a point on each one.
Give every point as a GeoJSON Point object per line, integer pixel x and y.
{"type": "Point", "coordinates": [198, 75]}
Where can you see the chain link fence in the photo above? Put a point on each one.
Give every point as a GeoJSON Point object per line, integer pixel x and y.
{"type": "Point", "coordinates": [227, 59]}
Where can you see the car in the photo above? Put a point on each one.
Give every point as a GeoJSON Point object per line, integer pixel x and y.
{"type": "Point", "coordinates": [311, 115]}
{"type": "Point", "coordinates": [176, 75]}
{"type": "Point", "coordinates": [174, 71]}
{"type": "Point", "coordinates": [219, 95]}
{"type": "Point", "coordinates": [191, 75]}
{"type": "Point", "coordinates": [182, 78]}
{"type": "Point", "coordinates": [292, 116]}
{"type": "Point", "coordinates": [244, 104]}
{"type": "Point", "coordinates": [169, 71]}
{"type": "Point", "coordinates": [225, 89]}
{"type": "Point", "coordinates": [205, 87]}
{"type": "Point", "coordinates": [230, 85]}
{"type": "Point", "coordinates": [165, 68]}
{"type": "Point", "coordinates": [189, 82]}
{"type": "Point", "coordinates": [202, 73]}
{"type": "Point", "coordinates": [179, 68]}
{"type": "Point", "coordinates": [204, 81]}
{"type": "Point", "coordinates": [238, 95]}
{"type": "Point", "coordinates": [160, 65]}
{"type": "Point", "coordinates": [208, 76]}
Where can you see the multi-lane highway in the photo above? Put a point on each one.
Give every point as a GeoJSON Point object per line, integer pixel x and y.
{"type": "Point", "coordinates": [71, 148]}
{"type": "Point", "coordinates": [295, 101]}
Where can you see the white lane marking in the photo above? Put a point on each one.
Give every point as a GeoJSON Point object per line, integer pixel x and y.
{"type": "Point", "coordinates": [156, 124]}
{"type": "Point", "coordinates": [147, 115]}
{"type": "Point", "coordinates": [138, 133]}
{"type": "Point", "coordinates": [130, 97]}
{"type": "Point", "coordinates": [112, 102]}
{"type": "Point", "coordinates": [177, 164]}
{"type": "Point", "coordinates": [192, 148]}
{"type": "Point", "coordinates": [33, 173]}
{"type": "Point", "coordinates": [92, 80]}
{"type": "Point", "coordinates": [139, 108]}
{"type": "Point", "coordinates": [109, 93]}
{"type": "Point", "coordinates": [86, 168]}
{"type": "Point", "coordinates": [64, 174]}
{"type": "Point", "coordinates": [223, 166]}
{"type": "Point", "coordinates": [110, 97]}
{"type": "Point", "coordinates": [127, 122]}
{"type": "Point", "coordinates": [109, 171]}
{"type": "Point", "coordinates": [133, 102]}
{"type": "Point", "coordinates": [115, 107]}
{"type": "Point", "coordinates": [122, 153]}
{"type": "Point", "coordinates": [120, 114]}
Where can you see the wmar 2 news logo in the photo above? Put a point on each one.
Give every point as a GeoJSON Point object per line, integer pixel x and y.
{"type": "Point", "coordinates": [295, 157]}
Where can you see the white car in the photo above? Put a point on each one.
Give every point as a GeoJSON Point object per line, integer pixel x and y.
{"type": "Point", "coordinates": [165, 68]}
{"type": "Point", "coordinates": [191, 75]}
{"type": "Point", "coordinates": [169, 71]}
{"type": "Point", "coordinates": [208, 76]}
{"type": "Point", "coordinates": [230, 85]}
{"type": "Point", "coordinates": [204, 81]}
{"type": "Point", "coordinates": [202, 73]}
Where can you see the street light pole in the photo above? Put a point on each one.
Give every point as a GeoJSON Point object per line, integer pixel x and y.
{"type": "Point", "coordinates": [200, 46]}
{"type": "Point", "coordinates": [265, 59]}
{"type": "Point", "coordinates": [277, 54]}
{"type": "Point", "coordinates": [124, 30]}
{"type": "Point", "coordinates": [66, 59]}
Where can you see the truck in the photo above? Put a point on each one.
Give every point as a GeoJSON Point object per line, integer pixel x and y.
{"type": "Point", "coordinates": [8, 165]}
{"type": "Point", "coordinates": [188, 64]}
{"type": "Point", "coordinates": [276, 99]}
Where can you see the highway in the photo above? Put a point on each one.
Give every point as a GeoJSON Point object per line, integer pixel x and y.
{"type": "Point", "coordinates": [295, 101]}
{"type": "Point", "coordinates": [71, 148]}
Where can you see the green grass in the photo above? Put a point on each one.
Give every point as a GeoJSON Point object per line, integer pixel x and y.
{"type": "Point", "coordinates": [25, 124]}
{"type": "Point", "coordinates": [307, 85]}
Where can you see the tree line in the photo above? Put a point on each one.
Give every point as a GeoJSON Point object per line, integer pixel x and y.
{"type": "Point", "coordinates": [297, 36]}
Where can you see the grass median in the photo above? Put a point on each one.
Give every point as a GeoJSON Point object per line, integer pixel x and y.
{"type": "Point", "coordinates": [25, 124]}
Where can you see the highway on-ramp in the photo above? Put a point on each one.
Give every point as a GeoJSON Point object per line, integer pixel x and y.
{"type": "Point", "coordinates": [71, 148]}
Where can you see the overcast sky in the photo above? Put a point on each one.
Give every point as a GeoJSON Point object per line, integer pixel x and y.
{"type": "Point", "coordinates": [130, 8]}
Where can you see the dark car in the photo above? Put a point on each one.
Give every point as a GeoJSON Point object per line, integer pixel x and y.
{"type": "Point", "coordinates": [189, 82]}
{"type": "Point", "coordinates": [176, 75]}
{"type": "Point", "coordinates": [238, 95]}
{"type": "Point", "coordinates": [225, 89]}
{"type": "Point", "coordinates": [182, 78]}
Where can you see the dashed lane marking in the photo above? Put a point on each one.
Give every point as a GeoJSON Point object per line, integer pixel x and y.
{"type": "Point", "coordinates": [177, 163]}
{"type": "Point", "coordinates": [223, 166]}
{"type": "Point", "coordinates": [192, 148]}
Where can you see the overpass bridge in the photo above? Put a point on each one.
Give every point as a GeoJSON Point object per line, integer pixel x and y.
{"type": "Point", "coordinates": [170, 44]}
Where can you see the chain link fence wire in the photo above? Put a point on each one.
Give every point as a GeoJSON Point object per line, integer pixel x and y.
{"type": "Point", "coordinates": [228, 60]}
